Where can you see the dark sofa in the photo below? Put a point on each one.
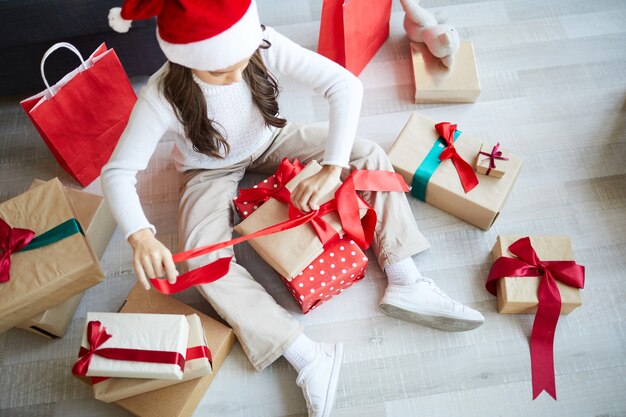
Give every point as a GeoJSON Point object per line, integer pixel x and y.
{"type": "Point", "coordinates": [30, 27]}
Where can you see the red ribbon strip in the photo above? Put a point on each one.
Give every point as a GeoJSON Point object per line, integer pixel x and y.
{"type": "Point", "coordinates": [285, 173]}
{"type": "Point", "coordinates": [97, 335]}
{"type": "Point", "coordinates": [195, 352]}
{"type": "Point", "coordinates": [468, 177]}
{"type": "Point", "coordinates": [528, 264]}
{"type": "Point", "coordinates": [346, 202]}
{"type": "Point", "coordinates": [495, 154]}
{"type": "Point", "coordinates": [12, 239]}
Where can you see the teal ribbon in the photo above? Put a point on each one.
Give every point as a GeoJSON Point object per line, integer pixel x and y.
{"type": "Point", "coordinates": [60, 232]}
{"type": "Point", "coordinates": [427, 168]}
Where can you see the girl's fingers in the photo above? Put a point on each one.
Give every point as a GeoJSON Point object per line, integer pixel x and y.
{"type": "Point", "coordinates": [314, 200]}
{"type": "Point", "coordinates": [170, 268]}
{"type": "Point", "coordinates": [146, 262]}
{"type": "Point", "coordinates": [157, 264]}
{"type": "Point", "coordinates": [141, 275]}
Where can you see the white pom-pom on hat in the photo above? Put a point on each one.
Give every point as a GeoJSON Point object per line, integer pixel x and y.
{"type": "Point", "coordinates": [116, 21]}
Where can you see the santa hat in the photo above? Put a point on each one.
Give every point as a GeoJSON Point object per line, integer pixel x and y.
{"type": "Point", "coordinates": [205, 35]}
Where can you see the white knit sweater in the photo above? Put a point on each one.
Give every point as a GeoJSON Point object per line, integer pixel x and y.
{"type": "Point", "coordinates": [235, 116]}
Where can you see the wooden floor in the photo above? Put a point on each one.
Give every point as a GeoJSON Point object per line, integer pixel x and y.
{"type": "Point", "coordinates": [553, 74]}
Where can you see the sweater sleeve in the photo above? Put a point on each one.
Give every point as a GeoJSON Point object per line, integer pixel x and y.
{"type": "Point", "coordinates": [138, 142]}
{"type": "Point", "coordinates": [341, 88]}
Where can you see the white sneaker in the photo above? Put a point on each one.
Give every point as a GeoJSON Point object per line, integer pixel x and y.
{"type": "Point", "coordinates": [319, 379]}
{"type": "Point", "coordinates": [424, 303]}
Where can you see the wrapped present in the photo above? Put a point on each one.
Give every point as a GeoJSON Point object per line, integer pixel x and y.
{"type": "Point", "coordinates": [518, 295]}
{"type": "Point", "coordinates": [493, 161]}
{"type": "Point", "coordinates": [178, 400]}
{"type": "Point", "coordinates": [94, 215]}
{"type": "Point", "coordinates": [539, 269]}
{"type": "Point", "coordinates": [341, 265]}
{"type": "Point", "coordinates": [289, 251]}
{"type": "Point", "coordinates": [133, 346]}
{"type": "Point", "coordinates": [420, 155]}
{"type": "Point", "coordinates": [436, 83]}
{"type": "Point", "coordinates": [197, 364]}
{"type": "Point", "coordinates": [39, 275]}
{"type": "Point", "coordinates": [250, 199]}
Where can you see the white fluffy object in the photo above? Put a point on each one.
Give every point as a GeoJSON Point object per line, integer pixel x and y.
{"type": "Point", "coordinates": [117, 22]}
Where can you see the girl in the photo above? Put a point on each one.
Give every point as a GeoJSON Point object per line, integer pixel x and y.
{"type": "Point", "coordinates": [218, 96]}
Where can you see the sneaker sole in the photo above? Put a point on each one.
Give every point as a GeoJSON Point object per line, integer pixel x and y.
{"type": "Point", "coordinates": [436, 322]}
{"type": "Point", "coordinates": [334, 380]}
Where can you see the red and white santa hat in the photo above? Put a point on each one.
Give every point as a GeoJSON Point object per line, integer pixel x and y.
{"type": "Point", "coordinates": [206, 35]}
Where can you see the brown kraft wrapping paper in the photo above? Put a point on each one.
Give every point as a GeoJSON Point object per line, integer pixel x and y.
{"type": "Point", "coordinates": [481, 205]}
{"type": "Point", "coordinates": [518, 295]}
{"type": "Point", "coordinates": [94, 215]}
{"type": "Point", "coordinates": [47, 276]}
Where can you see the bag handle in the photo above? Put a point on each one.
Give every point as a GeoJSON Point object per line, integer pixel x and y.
{"type": "Point", "coordinates": [50, 51]}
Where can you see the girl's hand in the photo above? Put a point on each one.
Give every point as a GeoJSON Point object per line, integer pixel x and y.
{"type": "Point", "coordinates": [151, 258]}
{"type": "Point", "coordinates": [307, 194]}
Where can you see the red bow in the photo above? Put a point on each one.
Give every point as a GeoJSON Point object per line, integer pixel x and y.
{"type": "Point", "coordinates": [528, 264]}
{"type": "Point", "coordinates": [11, 240]}
{"type": "Point", "coordinates": [495, 154]}
{"type": "Point", "coordinates": [285, 173]}
{"type": "Point", "coordinates": [97, 335]}
{"type": "Point", "coordinates": [346, 202]}
{"type": "Point", "coordinates": [466, 173]}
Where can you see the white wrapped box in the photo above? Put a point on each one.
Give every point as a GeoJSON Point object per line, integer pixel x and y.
{"type": "Point", "coordinates": [149, 332]}
{"type": "Point", "coordinates": [197, 365]}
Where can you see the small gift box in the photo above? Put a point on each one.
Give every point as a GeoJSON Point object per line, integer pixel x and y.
{"type": "Point", "coordinates": [436, 83]}
{"type": "Point", "coordinates": [38, 275]}
{"type": "Point", "coordinates": [250, 199]}
{"type": "Point", "coordinates": [518, 294]}
{"type": "Point", "coordinates": [94, 215]}
{"type": "Point", "coordinates": [197, 364]}
{"type": "Point", "coordinates": [289, 251]}
{"type": "Point", "coordinates": [419, 155]}
{"type": "Point", "coordinates": [537, 274]}
{"type": "Point", "coordinates": [133, 346]}
{"type": "Point", "coordinates": [178, 400]}
{"type": "Point", "coordinates": [492, 161]}
{"type": "Point", "coordinates": [341, 265]}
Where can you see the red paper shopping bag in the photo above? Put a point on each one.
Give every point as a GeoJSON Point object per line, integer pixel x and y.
{"type": "Point", "coordinates": [82, 116]}
{"type": "Point", "coordinates": [352, 31]}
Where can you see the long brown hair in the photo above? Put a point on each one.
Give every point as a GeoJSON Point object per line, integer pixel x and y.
{"type": "Point", "coordinates": [186, 97]}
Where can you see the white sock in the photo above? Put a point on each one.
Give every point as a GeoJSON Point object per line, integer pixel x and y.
{"type": "Point", "coordinates": [402, 273]}
{"type": "Point", "coordinates": [301, 352]}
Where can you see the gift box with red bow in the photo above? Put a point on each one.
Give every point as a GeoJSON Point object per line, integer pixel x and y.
{"type": "Point", "coordinates": [492, 160]}
{"type": "Point", "coordinates": [341, 265]}
{"type": "Point", "coordinates": [434, 159]}
{"type": "Point", "coordinates": [38, 230]}
{"type": "Point", "coordinates": [537, 274]}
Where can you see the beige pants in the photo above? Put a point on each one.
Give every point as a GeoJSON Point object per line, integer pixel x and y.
{"type": "Point", "coordinates": [263, 327]}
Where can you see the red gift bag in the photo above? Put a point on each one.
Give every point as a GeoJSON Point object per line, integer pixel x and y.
{"type": "Point", "coordinates": [82, 117]}
{"type": "Point", "coordinates": [351, 31]}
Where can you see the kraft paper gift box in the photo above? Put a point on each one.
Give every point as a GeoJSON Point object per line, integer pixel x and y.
{"type": "Point", "coordinates": [518, 295]}
{"type": "Point", "coordinates": [481, 205]}
{"type": "Point", "coordinates": [44, 277]}
{"type": "Point", "coordinates": [178, 400]}
{"type": "Point", "coordinates": [94, 215]}
{"type": "Point", "coordinates": [501, 160]}
{"type": "Point", "coordinates": [141, 332]}
{"type": "Point", "coordinates": [436, 83]}
{"type": "Point", "coordinates": [289, 251]}
{"type": "Point", "coordinates": [196, 366]}
{"type": "Point", "coordinates": [341, 265]}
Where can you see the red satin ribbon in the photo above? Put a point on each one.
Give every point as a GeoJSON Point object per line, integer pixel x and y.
{"type": "Point", "coordinates": [12, 239]}
{"type": "Point", "coordinates": [346, 202]}
{"type": "Point", "coordinates": [285, 173]}
{"type": "Point", "coordinates": [195, 352]}
{"type": "Point", "coordinates": [528, 264]}
{"type": "Point", "coordinates": [468, 178]}
{"type": "Point", "coordinates": [97, 335]}
{"type": "Point", "coordinates": [495, 154]}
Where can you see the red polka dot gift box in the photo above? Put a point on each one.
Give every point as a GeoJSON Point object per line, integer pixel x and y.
{"type": "Point", "coordinates": [340, 266]}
